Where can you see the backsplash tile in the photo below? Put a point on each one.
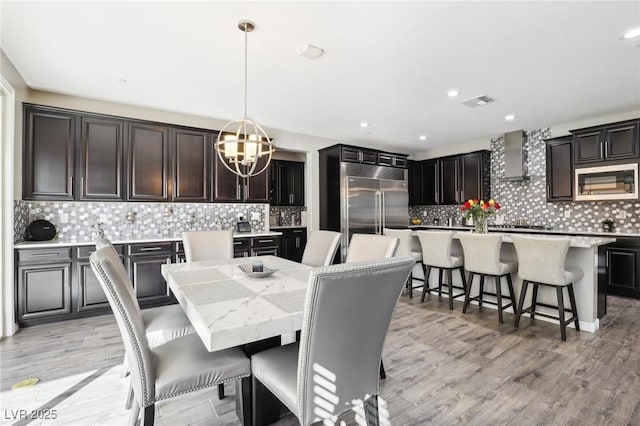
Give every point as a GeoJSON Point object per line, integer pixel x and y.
{"type": "Point", "coordinates": [152, 220]}
{"type": "Point", "coordinates": [527, 200]}
{"type": "Point", "coordinates": [288, 216]}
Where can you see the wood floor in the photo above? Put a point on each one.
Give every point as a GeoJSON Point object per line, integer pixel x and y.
{"type": "Point", "coordinates": [443, 368]}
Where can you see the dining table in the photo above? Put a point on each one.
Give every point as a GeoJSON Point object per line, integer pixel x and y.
{"type": "Point", "coordinates": [229, 307]}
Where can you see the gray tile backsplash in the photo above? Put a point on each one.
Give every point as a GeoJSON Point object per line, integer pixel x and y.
{"type": "Point", "coordinates": [287, 216]}
{"type": "Point", "coordinates": [527, 199]}
{"type": "Point", "coordinates": [74, 220]}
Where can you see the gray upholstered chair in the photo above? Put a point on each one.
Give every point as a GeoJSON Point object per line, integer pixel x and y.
{"type": "Point", "coordinates": [179, 366]}
{"type": "Point", "coordinates": [321, 248]}
{"type": "Point", "coordinates": [208, 245]}
{"type": "Point", "coordinates": [335, 363]}
{"type": "Point", "coordinates": [408, 246]}
{"type": "Point", "coordinates": [482, 257]}
{"type": "Point", "coordinates": [436, 253]}
{"type": "Point", "coordinates": [370, 247]}
{"type": "Point", "coordinates": [541, 262]}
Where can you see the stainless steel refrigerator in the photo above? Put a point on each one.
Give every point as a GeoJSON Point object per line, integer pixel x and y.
{"type": "Point", "coordinates": [372, 204]}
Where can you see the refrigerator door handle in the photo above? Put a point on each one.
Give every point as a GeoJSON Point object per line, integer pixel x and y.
{"type": "Point", "coordinates": [383, 214]}
{"type": "Point", "coordinates": [376, 216]}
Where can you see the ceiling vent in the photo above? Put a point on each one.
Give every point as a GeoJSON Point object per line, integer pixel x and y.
{"type": "Point", "coordinates": [478, 101]}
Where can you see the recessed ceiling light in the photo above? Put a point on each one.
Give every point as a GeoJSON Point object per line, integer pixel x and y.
{"type": "Point", "coordinates": [633, 33]}
{"type": "Point", "coordinates": [310, 51]}
{"type": "Point", "coordinates": [422, 138]}
{"type": "Point", "coordinates": [453, 93]}
{"type": "Point", "coordinates": [364, 124]}
{"type": "Point", "coordinates": [122, 80]}
{"type": "Point", "coordinates": [509, 117]}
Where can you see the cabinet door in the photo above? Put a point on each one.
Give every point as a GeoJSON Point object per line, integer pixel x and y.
{"type": "Point", "coordinates": [48, 155]}
{"type": "Point", "coordinates": [148, 148]}
{"type": "Point", "coordinates": [191, 150]}
{"type": "Point", "coordinates": [256, 188]}
{"type": "Point", "coordinates": [622, 141]}
{"type": "Point", "coordinates": [559, 169]}
{"type": "Point", "coordinates": [296, 183]}
{"type": "Point", "coordinates": [623, 265]}
{"type": "Point", "coordinates": [44, 290]}
{"type": "Point", "coordinates": [226, 184]}
{"type": "Point", "coordinates": [296, 242]}
{"type": "Point", "coordinates": [471, 177]}
{"type": "Point", "coordinates": [283, 194]}
{"type": "Point", "coordinates": [430, 193]}
{"type": "Point", "coordinates": [589, 146]}
{"type": "Point", "coordinates": [90, 293]}
{"type": "Point", "coordinates": [369, 157]}
{"type": "Point", "coordinates": [449, 172]}
{"type": "Point", "coordinates": [415, 183]}
{"type": "Point", "coordinates": [101, 155]}
{"type": "Point", "coordinates": [148, 283]}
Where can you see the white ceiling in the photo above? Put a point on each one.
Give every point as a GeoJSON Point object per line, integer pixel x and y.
{"type": "Point", "coordinates": [390, 64]}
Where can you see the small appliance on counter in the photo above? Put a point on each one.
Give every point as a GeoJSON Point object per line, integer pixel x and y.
{"type": "Point", "coordinates": [41, 230]}
{"type": "Point", "coordinates": [243, 226]}
{"type": "Point", "coordinates": [274, 219]}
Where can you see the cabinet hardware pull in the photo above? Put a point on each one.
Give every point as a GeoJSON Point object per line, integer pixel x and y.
{"type": "Point", "coordinates": [238, 192]}
{"type": "Point", "coordinates": [45, 254]}
{"type": "Point", "coordinates": [150, 248]}
{"type": "Point", "coordinates": [237, 243]}
{"type": "Point", "coordinates": [462, 196]}
{"type": "Point", "coordinates": [606, 148]}
{"type": "Point", "coordinates": [265, 241]}
{"type": "Point", "coordinates": [601, 150]}
{"type": "Point", "coordinates": [548, 191]}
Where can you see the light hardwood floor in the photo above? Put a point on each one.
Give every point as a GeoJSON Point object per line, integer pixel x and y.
{"type": "Point", "coordinates": [443, 368]}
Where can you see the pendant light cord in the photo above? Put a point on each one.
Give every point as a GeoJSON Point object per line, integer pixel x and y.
{"type": "Point", "coordinates": [245, 70]}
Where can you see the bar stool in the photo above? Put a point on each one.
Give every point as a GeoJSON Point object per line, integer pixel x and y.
{"type": "Point", "coordinates": [408, 246]}
{"type": "Point", "coordinates": [541, 262]}
{"type": "Point", "coordinates": [436, 253]}
{"type": "Point", "coordinates": [482, 257]}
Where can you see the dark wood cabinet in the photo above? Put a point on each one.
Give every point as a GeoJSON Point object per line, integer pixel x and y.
{"type": "Point", "coordinates": [89, 296]}
{"type": "Point", "coordinates": [256, 188]}
{"type": "Point", "coordinates": [44, 290]}
{"type": "Point", "coordinates": [144, 264]}
{"type": "Point", "coordinates": [190, 151]}
{"type": "Point", "coordinates": [229, 187]}
{"type": "Point", "coordinates": [559, 169]}
{"type": "Point", "coordinates": [241, 247]}
{"type": "Point", "coordinates": [449, 175]}
{"type": "Point", "coordinates": [101, 155]}
{"type": "Point", "coordinates": [353, 154]}
{"type": "Point", "coordinates": [474, 175]}
{"type": "Point", "coordinates": [263, 246]}
{"type": "Point", "coordinates": [148, 155]}
{"type": "Point", "coordinates": [414, 179]}
{"type": "Point", "coordinates": [616, 141]}
{"type": "Point", "coordinates": [623, 269]}
{"type": "Point", "coordinates": [49, 145]}
{"type": "Point", "coordinates": [287, 181]}
{"type": "Point", "coordinates": [292, 243]}
{"type": "Point", "coordinates": [430, 193]}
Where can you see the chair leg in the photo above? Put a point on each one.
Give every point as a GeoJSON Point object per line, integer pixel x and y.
{"type": "Point", "coordinates": [383, 374]}
{"type": "Point", "coordinates": [534, 300]}
{"type": "Point", "coordinates": [467, 296]}
{"type": "Point", "coordinates": [135, 412]}
{"type": "Point", "coordinates": [512, 294]}
{"type": "Point", "coordinates": [221, 391]}
{"type": "Point", "coordinates": [410, 284]}
{"type": "Point", "coordinates": [440, 273]}
{"type": "Point", "coordinates": [425, 288]}
{"type": "Point", "coordinates": [481, 295]}
{"type": "Point", "coordinates": [262, 412]}
{"type": "Point", "coordinates": [450, 280]}
{"type": "Point", "coordinates": [499, 297]}
{"type": "Point", "coordinates": [574, 308]}
{"type": "Point", "coordinates": [563, 324]}
{"type": "Point", "coordinates": [148, 415]}
{"type": "Point", "coordinates": [125, 368]}
{"type": "Point", "coordinates": [129, 402]}
{"type": "Point", "coordinates": [523, 293]}
{"type": "Point", "coordinates": [371, 411]}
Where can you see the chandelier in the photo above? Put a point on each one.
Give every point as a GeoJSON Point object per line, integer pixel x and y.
{"type": "Point", "coordinates": [242, 143]}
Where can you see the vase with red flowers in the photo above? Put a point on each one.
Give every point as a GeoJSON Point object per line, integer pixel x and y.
{"type": "Point", "coordinates": [479, 211]}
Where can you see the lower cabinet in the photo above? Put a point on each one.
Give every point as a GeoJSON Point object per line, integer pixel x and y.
{"type": "Point", "coordinates": [265, 246]}
{"type": "Point", "coordinates": [623, 270]}
{"type": "Point", "coordinates": [293, 243]}
{"type": "Point", "coordinates": [144, 263]}
{"type": "Point", "coordinates": [90, 297]}
{"type": "Point", "coordinates": [44, 290]}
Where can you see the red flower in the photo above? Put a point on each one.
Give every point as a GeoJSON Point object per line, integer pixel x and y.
{"type": "Point", "coordinates": [497, 205]}
{"type": "Point", "coordinates": [485, 207]}
{"type": "Point", "coordinates": [476, 201]}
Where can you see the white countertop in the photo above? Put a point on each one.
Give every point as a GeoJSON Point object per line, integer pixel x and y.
{"type": "Point", "coordinates": [289, 227]}
{"type": "Point", "coordinates": [133, 240]}
{"type": "Point", "coordinates": [616, 234]}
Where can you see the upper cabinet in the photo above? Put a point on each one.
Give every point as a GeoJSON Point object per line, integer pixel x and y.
{"type": "Point", "coordinates": [474, 180]}
{"type": "Point", "coordinates": [229, 187]}
{"type": "Point", "coordinates": [618, 141]}
{"type": "Point", "coordinates": [559, 169]}
{"type": "Point", "coordinates": [415, 182]}
{"type": "Point", "coordinates": [49, 145]}
{"type": "Point", "coordinates": [352, 154]}
{"type": "Point", "coordinates": [190, 151]}
{"type": "Point", "coordinates": [287, 183]}
{"type": "Point", "coordinates": [148, 153]}
{"type": "Point", "coordinates": [449, 187]}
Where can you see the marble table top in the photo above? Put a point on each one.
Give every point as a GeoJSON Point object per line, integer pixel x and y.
{"type": "Point", "coordinates": [227, 308]}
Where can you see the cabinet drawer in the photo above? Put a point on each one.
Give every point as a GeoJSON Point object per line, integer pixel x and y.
{"type": "Point", "coordinates": [85, 251]}
{"type": "Point", "coordinates": [369, 157]}
{"type": "Point", "coordinates": [151, 248]}
{"type": "Point", "coordinates": [241, 243]}
{"type": "Point", "coordinates": [179, 246]}
{"type": "Point", "coordinates": [44, 255]}
{"type": "Point", "coordinates": [351, 155]}
{"type": "Point", "coordinates": [265, 242]}
{"type": "Point", "coordinates": [385, 160]}
{"type": "Point", "coordinates": [400, 162]}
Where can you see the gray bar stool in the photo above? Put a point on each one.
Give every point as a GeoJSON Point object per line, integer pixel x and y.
{"type": "Point", "coordinates": [482, 257]}
{"type": "Point", "coordinates": [436, 253]}
{"type": "Point", "coordinates": [408, 246]}
{"type": "Point", "coordinates": [541, 262]}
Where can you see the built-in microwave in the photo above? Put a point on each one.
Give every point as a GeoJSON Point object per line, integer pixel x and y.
{"type": "Point", "coordinates": [617, 182]}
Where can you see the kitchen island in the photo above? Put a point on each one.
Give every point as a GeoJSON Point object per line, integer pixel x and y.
{"type": "Point", "coordinates": [583, 254]}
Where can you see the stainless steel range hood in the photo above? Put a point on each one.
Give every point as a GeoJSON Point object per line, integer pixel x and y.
{"type": "Point", "coordinates": [515, 157]}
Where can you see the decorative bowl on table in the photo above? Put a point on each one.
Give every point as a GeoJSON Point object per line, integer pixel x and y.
{"type": "Point", "coordinates": [416, 221]}
{"type": "Point", "coordinates": [247, 268]}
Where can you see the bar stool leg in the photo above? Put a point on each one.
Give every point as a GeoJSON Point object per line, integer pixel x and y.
{"type": "Point", "coordinates": [467, 296]}
{"type": "Point", "coordinates": [563, 325]}
{"type": "Point", "coordinates": [498, 297]}
{"type": "Point", "coordinates": [410, 285]}
{"type": "Point", "coordinates": [514, 304]}
{"type": "Point", "coordinates": [534, 300]}
{"type": "Point", "coordinates": [440, 273]}
{"type": "Point", "coordinates": [481, 295]}
{"type": "Point", "coordinates": [523, 293]}
{"type": "Point", "coordinates": [450, 279]}
{"type": "Point", "coordinates": [572, 299]}
{"type": "Point", "coordinates": [463, 278]}
{"type": "Point", "coordinates": [425, 288]}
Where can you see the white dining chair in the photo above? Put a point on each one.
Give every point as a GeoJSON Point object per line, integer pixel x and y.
{"type": "Point", "coordinates": [208, 245]}
{"type": "Point", "coordinates": [334, 365]}
{"type": "Point", "coordinates": [321, 248]}
{"type": "Point", "coordinates": [177, 367]}
{"type": "Point", "coordinates": [370, 247]}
